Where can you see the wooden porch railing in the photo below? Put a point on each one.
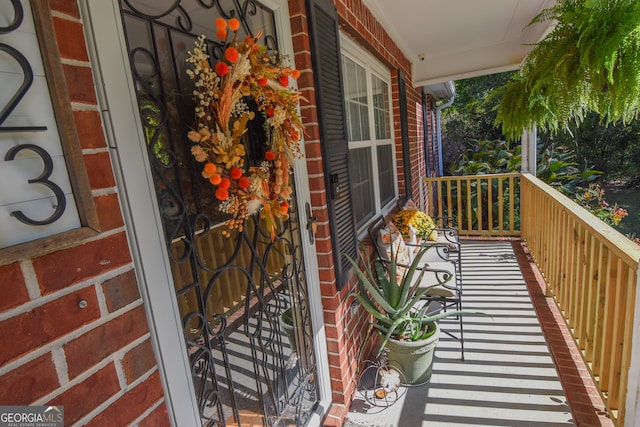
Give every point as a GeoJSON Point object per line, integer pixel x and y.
{"type": "Point", "coordinates": [591, 270]}
{"type": "Point", "coordinates": [479, 205]}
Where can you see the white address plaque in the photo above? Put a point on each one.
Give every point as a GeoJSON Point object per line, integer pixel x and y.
{"type": "Point", "coordinates": [37, 197]}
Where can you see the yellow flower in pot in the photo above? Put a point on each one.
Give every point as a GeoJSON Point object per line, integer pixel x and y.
{"type": "Point", "coordinates": [423, 223]}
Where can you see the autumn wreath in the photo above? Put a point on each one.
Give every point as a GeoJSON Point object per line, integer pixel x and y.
{"type": "Point", "coordinates": [248, 71]}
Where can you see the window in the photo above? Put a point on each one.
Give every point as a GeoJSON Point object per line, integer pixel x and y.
{"type": "Point", "coordinates": [368, 121]}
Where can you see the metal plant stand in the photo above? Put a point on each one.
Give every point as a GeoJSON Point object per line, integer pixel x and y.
{"type": "Point", "coordinates": [381, 384]}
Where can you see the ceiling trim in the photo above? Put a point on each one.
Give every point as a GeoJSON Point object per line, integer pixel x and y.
{"type": "Point", "coordinates": [467, 75]}
{"type": "Point", "coordinates": [390, 29]}
{"type": "Point", "coordinates": [450, 40]}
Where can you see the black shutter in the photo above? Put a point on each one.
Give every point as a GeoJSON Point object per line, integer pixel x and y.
{"type": "Point", "coordinates": [327, 70]}
{"type": "Point", "coordinates": [404, 130]}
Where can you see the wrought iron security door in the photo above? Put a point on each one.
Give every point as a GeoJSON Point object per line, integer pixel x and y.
{"type": "Point", "coordinates": [243, 299]}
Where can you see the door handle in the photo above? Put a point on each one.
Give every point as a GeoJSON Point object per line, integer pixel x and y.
{"type": "Point", "coordinates": [312, 223]}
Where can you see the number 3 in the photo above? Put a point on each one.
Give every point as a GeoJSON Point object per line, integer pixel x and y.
{"type": "Point", "coordinates": [42, 179]}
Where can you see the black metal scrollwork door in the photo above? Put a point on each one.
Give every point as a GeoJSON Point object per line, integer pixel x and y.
{"type": "Point", "coordinates": [243, 299]}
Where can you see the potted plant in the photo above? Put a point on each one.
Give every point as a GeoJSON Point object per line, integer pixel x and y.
{"type": "Point", "coordinates": [423, 224]}
{"type": "Point", "coordinates": [395, 296]}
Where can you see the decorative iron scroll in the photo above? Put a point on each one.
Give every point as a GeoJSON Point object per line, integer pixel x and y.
{"type": "Point", "coordinates": [247, 361]}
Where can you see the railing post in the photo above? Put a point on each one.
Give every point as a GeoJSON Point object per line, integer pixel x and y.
{"type": "Point", "coordinates": [632, 414]}
{"type": "Point", "coordinates": [422, 203]}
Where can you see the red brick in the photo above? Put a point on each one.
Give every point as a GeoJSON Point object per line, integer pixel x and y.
{"type": "Point", "coordinates": [298, 26]}
{"type": "Point", "coordinates": [45, 323]}
{"type": "Point", "coordinates": [29, 382]}
{"type": "Point", "coordinates": [331, 421]}
{"type": "Point", "coordinates": [68, 7]}
{"type": "Point", "coordinates": [297, 7]}
{"type": "Point", "coordinates": [326, 277]}
{"type": "Point", "coordinates": [99, 170]}
{"type": "Point", "coordinates": [336, 414]}
{"type": "Point", "coordinates": [121, 291]}
{"type": "Point", "coordinates": [109, 213]}
{"type": "Point", "coordinates": [80, 84]}
{"type": "Point", "coordinates": [313, 151]}
{"type": "Point", "coordinates": [305, 65]}
{"type": "Point", "coordinates": [12, 287]}
{"type": "Point", "coordinates": [99, 343]}
{"type": "Point", "coordinates": [130, 406]}
{"type": "Point", "coordinates": [324, 261]}
{"type": "Point", "coordinates": [301, 44]}
{"type": "Point", "coordinates": [335, 372]}
{"type": "Point", "coordinates": [308, 110]}
{"type": "Point", "coordinates": [60, 269]}
{"type": "Point", "coordinates": [138, 361]}
{"type": "Point", "coordinates": [89, 128]}
{"type": "Point", "coordinates": [323, 246]}
{"type": "Point", "coordinates": [70, 39]}
{"type": "Point", "coordinates": [316, 183]}
{"type": "Point", "coordinates": [333, 347]}
{"type": "Point", "coordinates": [309, 115]}
{"type": "Point", "coordinates": [331, 303]}
{"type": "Point", "coordinates": [157, 418]}
{"type": "Point", "coordinates": [319, 198]}
{"type": "Point", "coordinates": [84, 397]}
{"type": "Point", "coordinates": [338, 392]}
{"type": "Point", "coordinates": [323, 231]}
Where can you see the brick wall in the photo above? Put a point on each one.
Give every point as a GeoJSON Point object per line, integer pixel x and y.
{"type": "Point", "coordinates": [73, 330]}
{"type": "Point", "coordinates": [345, 329]}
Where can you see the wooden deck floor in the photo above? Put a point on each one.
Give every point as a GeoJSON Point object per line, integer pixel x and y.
{"type": "Point", "coordinates": [520, 367]}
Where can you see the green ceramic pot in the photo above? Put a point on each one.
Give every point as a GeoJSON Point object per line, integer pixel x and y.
{"type": "Point", "coordinates": [414, 359]}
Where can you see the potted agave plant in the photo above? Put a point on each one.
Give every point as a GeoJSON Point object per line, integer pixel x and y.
{"type": "Point", "coordinates": [407, 328]}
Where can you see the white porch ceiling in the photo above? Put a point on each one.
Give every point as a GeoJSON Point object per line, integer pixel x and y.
{"type": "Point", "coordinates": [457, 39]}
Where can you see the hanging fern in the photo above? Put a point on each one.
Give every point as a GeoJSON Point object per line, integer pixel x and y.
{"type": "Point", "coordinates": [590, 61]}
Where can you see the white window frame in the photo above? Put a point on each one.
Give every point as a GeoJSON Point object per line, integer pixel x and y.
{"type": "Point", "coordinates": [373, 66]}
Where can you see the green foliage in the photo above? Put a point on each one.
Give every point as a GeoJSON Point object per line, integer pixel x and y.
{"type": "Point", "coordinates": [613, 149]}
{"type": "Point", "coordinates": [590, 61]}
{"type": "Point", "coordinates": [489, 157]}
{"type": "Point", "coordinates": [287, 316]}
{"type": "Point", "coordinates": [486, 158]}
{"type": "Point", "coordinates": [472, 116]}
{"type": "Point", "coordinates": [154, 130]}
{"type": "Point", "coordinates": [557, 167]}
